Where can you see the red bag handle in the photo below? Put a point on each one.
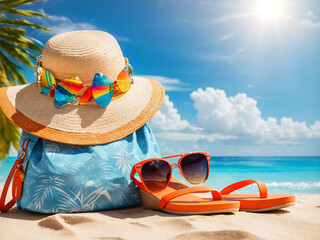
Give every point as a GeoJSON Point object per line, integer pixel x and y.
{"type": "Point", "coordinates": [17, 174]}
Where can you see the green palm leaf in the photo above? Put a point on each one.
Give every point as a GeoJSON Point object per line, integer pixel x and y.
{"type": "Point", "coordinates": [17, 50]}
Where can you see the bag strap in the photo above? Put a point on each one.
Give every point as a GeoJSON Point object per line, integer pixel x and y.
{"type": "Point", "coordinates": [16, 174]}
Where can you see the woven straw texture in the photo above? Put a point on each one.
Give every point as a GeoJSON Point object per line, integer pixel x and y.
{"type": "Point", "coordinates": [82, 54]}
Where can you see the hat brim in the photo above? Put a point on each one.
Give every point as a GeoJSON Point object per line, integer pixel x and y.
{"type": "Point", "coordinates": [35, 113]}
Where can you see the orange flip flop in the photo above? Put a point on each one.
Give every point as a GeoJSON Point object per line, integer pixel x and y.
{"type": "Point", "coordinates": [177, 198]}
{"type": "Point", "coordinates": [257, 202]}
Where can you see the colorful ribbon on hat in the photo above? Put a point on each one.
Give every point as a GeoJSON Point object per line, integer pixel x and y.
{"type": "Point", "coordinates": [101, 91]}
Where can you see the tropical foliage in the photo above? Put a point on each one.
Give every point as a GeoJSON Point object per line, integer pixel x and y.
{"type": "Point", "coordinates": [17, 50]}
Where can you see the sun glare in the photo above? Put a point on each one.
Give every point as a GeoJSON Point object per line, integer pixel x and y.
{"type": "Point", "coordinates": [269, 9]}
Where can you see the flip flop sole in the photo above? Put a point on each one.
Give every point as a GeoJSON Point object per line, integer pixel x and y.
{"type": "Point", "coordinates": [269, 208]}
{"type": "Point", "coordinates": [253, 202]}
{"type": "Point", "coordinates": [203, 212]}
{"type": "Point", "coordinates": [151, 202]}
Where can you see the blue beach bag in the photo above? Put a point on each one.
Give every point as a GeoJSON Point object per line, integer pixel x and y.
{"type": "Point", "coordinates": [71, 178]}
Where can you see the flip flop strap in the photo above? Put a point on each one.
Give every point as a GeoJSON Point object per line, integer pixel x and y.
{"type": "Point", "coordinates": [200, 189]}
{"type": "Point", "coordinates": [235, 186]}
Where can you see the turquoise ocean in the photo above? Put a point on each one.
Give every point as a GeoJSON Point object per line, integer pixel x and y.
{"type": "Point", "coordinates": [282, 175]}
{"type": "Point", "coordinates": [297, 175]}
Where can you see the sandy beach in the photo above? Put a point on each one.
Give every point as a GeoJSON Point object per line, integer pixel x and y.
{"type": "Point", "coordinates": [301, 221]}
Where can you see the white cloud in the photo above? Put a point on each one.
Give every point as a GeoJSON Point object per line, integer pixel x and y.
{"type": "Point", "coordinates": [227, 56]}
{"type": "Point", "coordinates": [311, 20]}
{"type": "Point", "coordinates": [241, 50]}
{"type": "Point", "coordinates": [177, 136]}
{"type": "Point", "coordinates": [310, 14]}
{"type": "Point", "coordinates": [231, 17]}
{"type": "Point", "coordinates": [122, 39]}
{"type": "Point", "coordinates": [235, 118]}
{"type": "Point", "coordinates": [61, 24]}
{"type": "Point", "coordinates": [239, 116]}
{"type": "Point", "coordinates": [193, 136]}
{"type": "Point", "coordinates": [310, 23]}
{"type": "Point", "coordinates": [168, 124]}
{"type": "Point", "coordinates": [232, 120]}
{"type": "Point", "coordinates": [167, 119]}
{"type": "Point", "coordinates": [214, 57]}
{"type": "Point", "coordinates": [169, 84]}
{"type": "Point", "coordinates": [225, 37]}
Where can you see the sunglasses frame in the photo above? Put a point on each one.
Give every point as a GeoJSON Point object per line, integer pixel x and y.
{"type": "Point", "coordinates": [138, 166]}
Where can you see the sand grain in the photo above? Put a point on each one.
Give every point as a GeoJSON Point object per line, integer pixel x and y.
{"type": "Point", "coordinates": [301, 221]}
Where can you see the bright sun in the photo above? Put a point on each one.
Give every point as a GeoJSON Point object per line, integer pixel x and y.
{"type": "Point", "coordinates": [269, 9]}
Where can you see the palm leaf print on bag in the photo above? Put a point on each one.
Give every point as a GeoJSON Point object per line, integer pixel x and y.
{"type": "Point", "coordinates": [90, 170]}
{"type": "Point", "coordinates": [82, 201]}
{"type": "Point", "coordinates": [45, 189]}
{"type": "Point", "coordinates": [125, 160]}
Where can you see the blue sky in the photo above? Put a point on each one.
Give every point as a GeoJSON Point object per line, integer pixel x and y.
{"type": "Point", "coordinates": [239, 80]}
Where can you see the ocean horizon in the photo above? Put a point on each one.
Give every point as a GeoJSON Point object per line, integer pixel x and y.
{"type": "Point", "coordinates": [295, 175]}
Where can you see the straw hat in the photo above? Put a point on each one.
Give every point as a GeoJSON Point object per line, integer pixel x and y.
{"type": "Point", "coordinates": [82, 54]}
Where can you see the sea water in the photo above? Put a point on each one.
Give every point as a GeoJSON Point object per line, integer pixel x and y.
{"type": "Point", "coordinates": [297, 175]}
{"type": "Point", "coordinates": [5, 167]}
{"type": "Point", "coordinates": [282, 175]}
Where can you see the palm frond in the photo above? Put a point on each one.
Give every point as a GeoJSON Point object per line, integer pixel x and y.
{"type": "Point", "coordinates": [12, 71]}
{"type": "Point", "coordinates": [27, 13]}
{"type": "Point", "coordinates": [17, 50]}
{"type": "Point", "coordinates": [10, 135]}
{"type": "Point", "coordinates": [23, 23]}
{"type": "Point", "coordinates": [16, 3]}
{"type": "Point", "coordinates": [17, 53]}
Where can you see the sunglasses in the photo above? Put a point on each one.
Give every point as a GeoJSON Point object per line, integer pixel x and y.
{"type": "Point", "coordinates": [101, 90]}
{"type": "Point", "coordinates": [156, 173]}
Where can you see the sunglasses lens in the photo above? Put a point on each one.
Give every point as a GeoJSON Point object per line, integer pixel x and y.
{"type": "Point", "coordinates": [156, 175]}
{"type": "Point", "coordinates": [129, 69]}
{"type": "Point", "coordinates": [195, 168]}
{"type": "Point", "coordinates": [66, 90]}
{"type": "Point", "coordinates": [47, 80]}
{"type": "Point", "coordinates": [124, 81]}
{"type": "Point", "coordinates": [102, 89]}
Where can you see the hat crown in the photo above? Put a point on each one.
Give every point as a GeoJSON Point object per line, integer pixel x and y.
{"type": "Point", "coordinates": [82, 54]}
